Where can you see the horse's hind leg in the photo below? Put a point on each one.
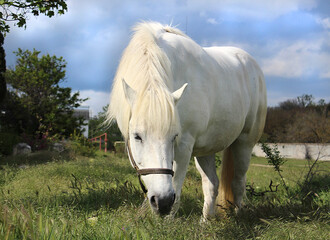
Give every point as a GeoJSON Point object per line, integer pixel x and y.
{"type": "Point", "coordinates": [242, 155]}
{"type": "Point", "coordinates": [210, 183]}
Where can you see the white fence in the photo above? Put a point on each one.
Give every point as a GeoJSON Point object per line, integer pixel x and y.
{"type": "Point", "coordinates": [298, 150]}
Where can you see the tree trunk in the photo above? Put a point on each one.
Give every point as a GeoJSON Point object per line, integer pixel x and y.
{"type": "Point", "coordinates": [3, 88]}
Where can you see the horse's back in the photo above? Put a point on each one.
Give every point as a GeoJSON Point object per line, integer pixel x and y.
{"type": "Point", "coordinates": [234, 103]}
{"type": "Point", "coordinates": [246, 75]}
{"type": "Point", "coordinates": [225, 90]}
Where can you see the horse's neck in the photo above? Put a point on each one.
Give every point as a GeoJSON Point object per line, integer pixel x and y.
{"type": "Point", "coordinates": [190, 63]}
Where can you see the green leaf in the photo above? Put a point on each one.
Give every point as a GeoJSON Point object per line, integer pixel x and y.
{"type": "Point", "coordinates": [50, 14]}
{"type": "Point", "coordinates": [49, 106]}
{"type": "Point", "coordinates": [35, 12]}
{"type": "Point", "coordinates": [24, 8]}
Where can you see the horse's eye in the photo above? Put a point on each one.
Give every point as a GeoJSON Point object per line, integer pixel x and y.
{"type": "Point", "coordinates": [137, 137]}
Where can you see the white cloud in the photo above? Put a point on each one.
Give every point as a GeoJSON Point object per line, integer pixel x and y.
{"type": "Point", "coordinates": [325, 74]}
{"type": "Point", "coordinates": [212, 21]}
{"type": "Point", "coordinates": [300, 59]}
{"type": "Point", "coordinates": [325, 22]}
{"type": "Point", "coordinates": [257, 9]}
{"type": "Point", "coordinates": [97, 100]}
{"type": "Point", "coordinates": [91, 37]}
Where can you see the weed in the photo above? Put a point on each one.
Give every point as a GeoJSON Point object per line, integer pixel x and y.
{"type": "Point", "coordinates": [274, 159]}
{"type": "Point", "coordinates": [99, 198]}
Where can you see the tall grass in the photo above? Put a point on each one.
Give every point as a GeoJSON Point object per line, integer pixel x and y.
{"type": "Point", "coordinates": [51, 196]}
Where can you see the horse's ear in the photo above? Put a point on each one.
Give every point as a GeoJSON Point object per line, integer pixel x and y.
{"type": "Point", "coordinates": [130, 94]}
{"type": "Point", "coordinates": [178, 93]}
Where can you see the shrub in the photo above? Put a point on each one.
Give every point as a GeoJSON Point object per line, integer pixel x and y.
{"type": "Point", "coordinates": [7, 141]}
{"type": "Point", "coordinates": [79, 145]}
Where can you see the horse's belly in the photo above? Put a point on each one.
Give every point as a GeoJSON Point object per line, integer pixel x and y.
{"type": "Point", "coordinates": [217, 137]}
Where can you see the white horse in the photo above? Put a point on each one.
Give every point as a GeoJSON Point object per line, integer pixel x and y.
{"type": "Point", "coordinates": [220, 105]}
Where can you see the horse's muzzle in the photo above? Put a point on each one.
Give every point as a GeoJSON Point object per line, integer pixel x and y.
{"type": "Point", "coordinates": [162, 205]}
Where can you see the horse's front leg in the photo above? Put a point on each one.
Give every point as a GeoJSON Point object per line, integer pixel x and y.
{"type": "Point", "coordinates": [180, 166]}
{"type": "Point", "coordinates": [210, 182]}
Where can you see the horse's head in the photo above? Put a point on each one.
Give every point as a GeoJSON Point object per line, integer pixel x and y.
{"type": "Point", "coordinates": [151, 146]}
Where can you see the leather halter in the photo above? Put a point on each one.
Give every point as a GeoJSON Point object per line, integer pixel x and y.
{"type": "Point", "coordinates": [145, 171]}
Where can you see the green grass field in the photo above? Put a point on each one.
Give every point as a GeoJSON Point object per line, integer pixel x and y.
{"type": "Point", "coordinates": [52, 196]}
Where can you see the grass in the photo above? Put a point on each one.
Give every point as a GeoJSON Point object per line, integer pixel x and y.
{"type": "Point", "coordinates": [60, 196]}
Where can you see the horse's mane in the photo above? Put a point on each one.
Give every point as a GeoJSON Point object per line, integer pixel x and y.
{"type": "Point", "coordinates": [147, 70]}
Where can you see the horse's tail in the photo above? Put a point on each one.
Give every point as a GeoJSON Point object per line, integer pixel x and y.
{"type": "Point", "coordinates": [225, 194]}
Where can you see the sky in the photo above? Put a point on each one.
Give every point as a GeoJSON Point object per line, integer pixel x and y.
{"type": "Point", "coordinates": [290, 39]}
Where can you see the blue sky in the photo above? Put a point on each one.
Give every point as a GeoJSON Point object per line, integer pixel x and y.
{"type": "Point", "coordinates": [290, 39]}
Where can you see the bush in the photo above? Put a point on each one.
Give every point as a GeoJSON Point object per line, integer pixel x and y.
{"type": "Point", "coordinates": [7, 141]}
{"type": "Point", "coordinates": [37, 143]}
{"type": "Point", "coordinates": [79, 145]}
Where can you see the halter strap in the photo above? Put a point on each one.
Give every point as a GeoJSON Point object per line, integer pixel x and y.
{"type": "Point", "coordinates": [145, 171]}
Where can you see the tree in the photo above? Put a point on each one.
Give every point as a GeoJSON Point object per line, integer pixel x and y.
{"type": "Point", "coordinates": [98, 126]}
{"type": "Point", "coordinates": [309, 127]}
{"type": "Point", "coordinates": [299, 120]}
{"type": "Point", "coordinates": [3, 88]}
{"type": "Point", "coordinates": [306, 100]}
{"type": "Point", "coordinates": [277, 120]}
{"type": "Point", "coordinates": [289, 104]}
{"type": "Point", "coordinates": [17, 11]}
{"type": "Point", "coordinates": [35, 86]}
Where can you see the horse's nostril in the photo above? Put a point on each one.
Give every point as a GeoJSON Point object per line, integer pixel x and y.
{"type": "Point", "coordinates": [162, 205]}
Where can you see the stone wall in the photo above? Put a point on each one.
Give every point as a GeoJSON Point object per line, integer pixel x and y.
{"type": "Point", "coordinates": [287, 150]}
{"type": "Point", "coordinates": [298, 150]}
